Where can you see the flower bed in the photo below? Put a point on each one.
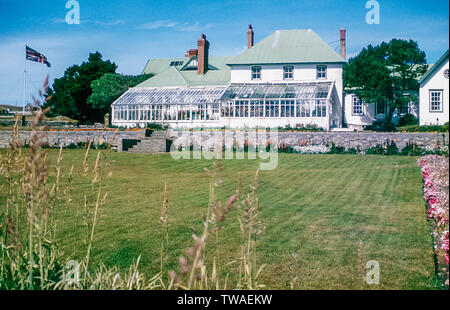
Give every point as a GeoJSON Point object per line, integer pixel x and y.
{"type": "Point", "coordinates": [436, 186]}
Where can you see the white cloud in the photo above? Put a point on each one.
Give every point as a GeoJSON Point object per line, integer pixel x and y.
{"type": "Point", "coordinates": [87, 21]}
{"type": "Point", "coordinates": [159, 24]}
{"type": "Point", "coordinates": [167, 23]}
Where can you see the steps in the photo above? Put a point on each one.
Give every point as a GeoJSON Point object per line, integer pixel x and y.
{"type": "Point", "coordinates": [156, 143]}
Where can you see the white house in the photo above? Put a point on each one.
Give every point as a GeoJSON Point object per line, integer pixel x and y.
{"type": "Point", "coordinates": [434, 96]}
{"type": "Point", "coordinates": [290, 78]}
{"type": "Point", "coordinates": [358, 114]}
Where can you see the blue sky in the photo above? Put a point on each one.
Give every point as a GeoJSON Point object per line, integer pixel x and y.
{"type": "Point", "coordinates": [132, 31]}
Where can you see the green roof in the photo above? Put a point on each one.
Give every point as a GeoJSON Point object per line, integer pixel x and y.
{"type": "Point", "coordinates": [289, 46]}
{"type": "Point", "coordinates": [159, 65]}
{"type": "Point", "coordinates": [434, 68]}
{"type": "Point", "coordinates": [172, 77]}
{"type": "Point", "coordinates": [284, 46]}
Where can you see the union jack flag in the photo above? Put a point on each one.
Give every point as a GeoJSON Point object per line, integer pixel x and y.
{"type": "Point", "coordinates": [32, 55]}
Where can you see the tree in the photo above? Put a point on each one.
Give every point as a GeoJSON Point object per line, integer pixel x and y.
{"type": "Point", "coordinates": [69, 94]}
{"type": "Point", "coordinates": [386, 72]}
{"type": "Point", "coordinates": [111, 86]}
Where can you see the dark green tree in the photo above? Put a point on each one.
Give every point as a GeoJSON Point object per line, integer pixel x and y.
{"type": "Point", "coordinates": [111, 86]}
{"type": "Point", "coordinates": [69, 94]}
{"type": "Point", "coordinates": [386, 73]}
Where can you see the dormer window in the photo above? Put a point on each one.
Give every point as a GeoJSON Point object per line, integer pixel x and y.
{"type": "Point", "coordinates": [175, 63]}
{"type": "Point", "coordinates": [256, 73]}
{"type": "Point", "coordinates": [193, 63]}
{"type": "Point", "coordinates": [288, 72]}
{"type": "Point", "coordinates": [321, 72]}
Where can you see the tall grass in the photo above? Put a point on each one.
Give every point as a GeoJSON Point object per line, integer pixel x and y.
{"type": "Point", "coordinates": [39, 194]}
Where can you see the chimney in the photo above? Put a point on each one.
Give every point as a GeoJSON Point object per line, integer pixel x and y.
{"type": "Point", "coordinates": [250, 36]}
{"type": "Point", "coordinates": [203, 51]}
{"type": "Point", "coordinates": [343, 44]}
{"type": "Point", "coordinates": [191, 53]}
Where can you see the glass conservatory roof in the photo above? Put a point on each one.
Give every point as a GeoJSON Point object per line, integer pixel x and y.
{"type": "Point", "coordinates": [217, 94]}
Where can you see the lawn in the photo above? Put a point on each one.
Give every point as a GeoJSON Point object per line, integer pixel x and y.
{"type": "Point", "coordinates": [325, 216]}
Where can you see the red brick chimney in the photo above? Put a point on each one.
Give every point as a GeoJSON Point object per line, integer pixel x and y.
{"type": "Point", "coordinates": [250, 36]}
{"type": "Point", "coordinates": [343, 44]}
{"type": "Point", "coordinates": [191, 53]}
{"type": "Point", "coordinates": [203, 51]}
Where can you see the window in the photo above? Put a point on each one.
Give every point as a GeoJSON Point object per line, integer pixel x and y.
{"type": "Point", "coordinates": [357, 107]}
{"type": "Point", "coordinates": [288, 72]}
{"type": "Point", "coordinates": [380, 108]}
{"type": "Point", "coordinates": [321, 72]}
{"type": "Point", "coordinates": [287, 108]}
{"type": "Point", "coordinates": [175, 63]}
{"type": "Point", "coordinates": [241, 108]}
{"type": "Point", "coordinates": [320, 109]}
{"type": "Point", "coordinates": [435, 100]}
{"type": "Point", "coordinates": [303, 108]}
{"type": "Point", "coordinates": [404, 108]}
{"type": "Point", "coordinates": [256, 73]}
{"type": "Point", "coordinates": [256, 108]}
{"type": "Point", "coordinates": [227, 109]}
{"type": "Point", "coordinates": [272, 108]}
{"type": "Point", "coordinates": [192, 64]}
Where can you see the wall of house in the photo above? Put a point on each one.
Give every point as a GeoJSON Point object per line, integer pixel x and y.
{"type": "Point", "coordinates": [302, 73]}
{"type": "Point", "coordinates": [358, 122]}
{"type": "Point", "coordinates": [274, 73]}
{"type": "Point", "coordinates": [437, 81]}
{"type": "Point", "coordinates": [239, 122]}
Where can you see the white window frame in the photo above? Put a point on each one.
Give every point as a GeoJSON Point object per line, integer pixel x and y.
{"type": "Point", "coordinates": [319, 73]}
{"type": "Point", "coordinates": [256, 75]}
{"type": "Point", "coordinates": [288, 72]}
{"type": "Point", "coordinates": [356, 102]}
{"type": "Point", "coordinates": [433, 101]}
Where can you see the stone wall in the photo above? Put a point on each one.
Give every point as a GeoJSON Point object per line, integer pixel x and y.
{"type": "Point", "coordinates": [363, 140]}
{"type": "Point", "coordinates": [347, 139]}
{"type": "Point", "coordinates": [55, 138]}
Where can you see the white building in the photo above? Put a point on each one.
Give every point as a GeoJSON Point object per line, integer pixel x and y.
{"type": "Point", "coordinates": [434, 96]}
{"type": "Point", "coordinates": [431, 108]}
{"type": "Point", "coordinates": [358, 114]}
{"type": "Point", "coordinates": [290, 78]}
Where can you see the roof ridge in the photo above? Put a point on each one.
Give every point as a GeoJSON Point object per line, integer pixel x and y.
{"type": "Point", "coordinates": [434, 67]}
{"type": "Point", "coordinates": [180, 75]}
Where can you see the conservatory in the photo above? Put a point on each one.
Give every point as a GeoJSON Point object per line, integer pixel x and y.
{"type": "Point", "coordinates": [246, 105]}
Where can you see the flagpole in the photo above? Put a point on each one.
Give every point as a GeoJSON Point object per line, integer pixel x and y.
{"type": "Point", "coordinates": [25, 82]}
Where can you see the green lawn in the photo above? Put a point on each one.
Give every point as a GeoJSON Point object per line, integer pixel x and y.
{"type": "Point", "coordinates": [325, 217]}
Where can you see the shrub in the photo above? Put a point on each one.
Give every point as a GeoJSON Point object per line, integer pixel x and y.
{"type": "Point", "coordinates": [408, 119]}
{"type": "Point", "coordinates": [391, 148]}
{"type": "Point", "coordinates": [427, 128]}
{"type": "Point", "coordinates": [412, 149]}
{"type": "Point", "coordinates": [352, 150]}
{"type": "Point", "coordinates": [336, 149]}
{"type": "Point", "coordinates": [381, 126]}
{"type": "Point", "coordinates": [156, 127]}
{"type": "Point", "coordinates": [375, 150]}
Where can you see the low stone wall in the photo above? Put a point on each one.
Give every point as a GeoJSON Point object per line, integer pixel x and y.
{"type": "Point", "coordinates": [347, 139]}
{"type": "Point", "coordinates": [12, 122]}
{"type": "Point", "coordinates": [363, 140]}
{"type": "Point", "coordinates": [55, 138]}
